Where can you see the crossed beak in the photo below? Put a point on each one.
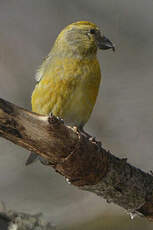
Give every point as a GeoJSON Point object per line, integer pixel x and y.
{"type": "Point", "coordinates": [104, 43]}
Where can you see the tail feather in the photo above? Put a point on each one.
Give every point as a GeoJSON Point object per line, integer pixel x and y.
{"type": "Point", "coordinates": [31, 158]}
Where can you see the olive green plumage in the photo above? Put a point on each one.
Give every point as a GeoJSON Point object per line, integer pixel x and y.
{"type": "Point", "coordinates": [70, 76]}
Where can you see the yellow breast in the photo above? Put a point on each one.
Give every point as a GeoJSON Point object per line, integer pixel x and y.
{"type": "Point", "coordinates": [68, 89]}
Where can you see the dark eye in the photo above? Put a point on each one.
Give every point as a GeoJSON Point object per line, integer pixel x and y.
{"type": "Point", "coordinates": [92, 31]}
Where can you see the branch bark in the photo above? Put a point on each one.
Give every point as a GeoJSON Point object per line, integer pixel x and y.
{"type": "Point", "coordinates": [83, 162]}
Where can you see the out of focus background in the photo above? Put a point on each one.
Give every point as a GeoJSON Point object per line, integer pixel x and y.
{"type": "Point", "coordinates": [122, 118]}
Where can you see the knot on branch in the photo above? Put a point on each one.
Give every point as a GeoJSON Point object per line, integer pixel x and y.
{"type": "Point", "coordinates": [82, 166]}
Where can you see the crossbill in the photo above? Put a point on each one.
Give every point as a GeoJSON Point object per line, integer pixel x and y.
{"type": "Point", "coordinates": [68, 79]}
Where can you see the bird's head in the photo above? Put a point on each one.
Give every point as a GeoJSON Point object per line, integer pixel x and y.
{"type": "Point", "coordinates": [82, 39]}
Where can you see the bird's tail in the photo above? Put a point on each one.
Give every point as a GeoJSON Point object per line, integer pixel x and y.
{"type": "Point", "coordinates": [31, 158]}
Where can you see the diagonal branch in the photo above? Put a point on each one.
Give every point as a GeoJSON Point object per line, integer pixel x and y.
{"type": "Point", "coordinates": [83, 162]}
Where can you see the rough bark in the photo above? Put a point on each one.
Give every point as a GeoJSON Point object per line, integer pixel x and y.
{"type": "Point", "coordinates": [82, 161]}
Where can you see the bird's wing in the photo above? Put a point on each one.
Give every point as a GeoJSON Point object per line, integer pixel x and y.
{"type": "Point", "coordinates": [43, 67]}
{"type": "Point", "coordinates": [55, 88]}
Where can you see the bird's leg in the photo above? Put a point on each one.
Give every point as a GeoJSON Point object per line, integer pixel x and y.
{"type": "Point", "coordinates": [53, 119]}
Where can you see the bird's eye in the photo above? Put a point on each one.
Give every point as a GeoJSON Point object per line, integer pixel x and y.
{"type": "Point", "coordinates": [92, 31]}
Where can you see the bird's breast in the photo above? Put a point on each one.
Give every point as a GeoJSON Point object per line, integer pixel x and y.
{"type": "Point", "coordinates": [68, 89]}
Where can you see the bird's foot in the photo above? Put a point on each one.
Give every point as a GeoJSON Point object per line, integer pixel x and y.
{"type": "Point", "coordinates": [54, 120]}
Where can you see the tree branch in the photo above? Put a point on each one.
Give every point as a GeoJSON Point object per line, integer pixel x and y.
{"type": "Point", "coordinates": [83, 162]}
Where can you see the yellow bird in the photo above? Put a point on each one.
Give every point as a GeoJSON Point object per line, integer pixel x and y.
{"type": "Point", "coordinates": [68, 79]}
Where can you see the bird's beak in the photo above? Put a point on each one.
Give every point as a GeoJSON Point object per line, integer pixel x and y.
{"type": "Point", "coordinates": [104, 43]}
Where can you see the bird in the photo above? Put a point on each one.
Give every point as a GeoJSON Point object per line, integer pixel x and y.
{"type": "Point", "coordinates": [68, 80]}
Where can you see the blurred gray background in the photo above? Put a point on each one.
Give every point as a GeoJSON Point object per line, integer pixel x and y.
{"type": "Point", "coordinates": [122, 117]}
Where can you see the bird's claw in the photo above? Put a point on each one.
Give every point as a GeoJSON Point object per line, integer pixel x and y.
{"type": "Point", "coordinates": [54, 120]}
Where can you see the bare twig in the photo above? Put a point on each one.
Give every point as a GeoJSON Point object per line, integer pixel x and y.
{"type": "Point", "coordinates": [83, 162]}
